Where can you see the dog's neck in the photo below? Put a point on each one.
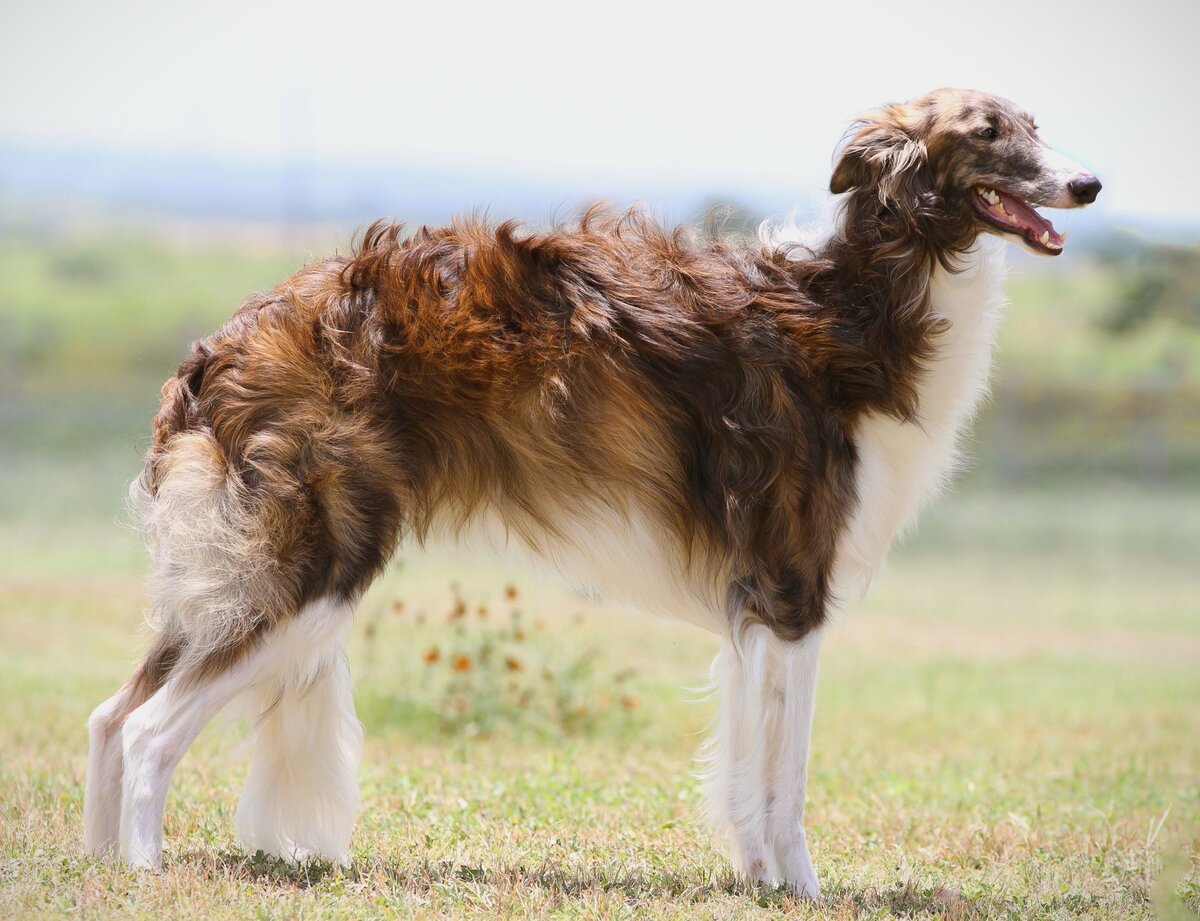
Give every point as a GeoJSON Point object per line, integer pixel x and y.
{"type": "Point", "coordinates": [881, 273]}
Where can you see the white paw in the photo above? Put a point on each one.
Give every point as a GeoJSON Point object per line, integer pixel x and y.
{"type": "Point", "coordinates": [144, 860]}
{"type": "Point", "coordinates": [805, 885]}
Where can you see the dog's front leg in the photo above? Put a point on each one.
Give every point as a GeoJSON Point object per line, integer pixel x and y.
{"type": "Point", "coordinates": [790, 731]}
{"type": "Point", "coordinates": [758, 757]}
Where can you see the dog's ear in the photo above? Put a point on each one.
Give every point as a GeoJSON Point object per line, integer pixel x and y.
{"type": "Point", "coordinates": [881, 151]}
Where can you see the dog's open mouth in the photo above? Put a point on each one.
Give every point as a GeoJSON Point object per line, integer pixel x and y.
{"type": "Point", "coordinates": [1010, 214]}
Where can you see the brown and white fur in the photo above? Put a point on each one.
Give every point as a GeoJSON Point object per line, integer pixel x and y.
{"type": "Point", "coordinates": [729, 435]}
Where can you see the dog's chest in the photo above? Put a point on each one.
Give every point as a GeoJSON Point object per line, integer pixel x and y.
{"type": "Point", "coordinates": [901, 465]}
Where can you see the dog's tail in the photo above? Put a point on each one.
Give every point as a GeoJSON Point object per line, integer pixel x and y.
{"type": "Point", "coordinates": [217, 578]}
{"type": "Point", "coordinates": [261, 492]}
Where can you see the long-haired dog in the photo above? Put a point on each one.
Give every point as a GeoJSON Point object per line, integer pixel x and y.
{"type": "Point", "coordinates": [729, 435]}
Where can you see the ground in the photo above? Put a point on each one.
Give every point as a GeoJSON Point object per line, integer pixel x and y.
{"type": "Point", "coordinates": [1009, 728]}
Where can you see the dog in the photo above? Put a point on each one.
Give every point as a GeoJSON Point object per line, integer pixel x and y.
{"type": "Point", "coordinates": [727, 434]}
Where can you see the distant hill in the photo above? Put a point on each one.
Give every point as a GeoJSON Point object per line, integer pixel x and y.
{"type": "Point", "coordinates": [205, 187]}
{"type": "Point", "coordinates": [56, 181]}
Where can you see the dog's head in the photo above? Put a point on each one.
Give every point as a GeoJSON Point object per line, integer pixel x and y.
{"type": "Point", "coordinates": [966, 162]}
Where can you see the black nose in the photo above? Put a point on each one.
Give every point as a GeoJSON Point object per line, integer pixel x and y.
{"type": "Point", "coordinates": [1084, 188]}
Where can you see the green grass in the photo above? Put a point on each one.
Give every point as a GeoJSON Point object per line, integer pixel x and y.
{"type": "Point", "coordinates": [1001, 731]}
{"type": "Point", "coordinates": [1052, 333]}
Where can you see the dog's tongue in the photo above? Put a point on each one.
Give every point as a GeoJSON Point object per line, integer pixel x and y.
{"type": "Point", "coordinates": [1035, 226]}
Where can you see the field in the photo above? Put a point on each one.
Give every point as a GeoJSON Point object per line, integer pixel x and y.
{"type": "Point", "coordinates": [1008, 728]}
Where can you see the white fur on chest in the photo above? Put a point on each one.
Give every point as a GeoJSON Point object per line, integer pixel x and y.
{"type": "Point", "coordinates": [903, 464]}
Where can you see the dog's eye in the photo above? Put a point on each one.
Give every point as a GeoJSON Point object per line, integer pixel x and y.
{"type": "Point", "coordinates": [988, 133]}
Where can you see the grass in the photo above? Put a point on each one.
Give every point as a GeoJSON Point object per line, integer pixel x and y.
{"type": "Point", "coordinates": [1009, 728]}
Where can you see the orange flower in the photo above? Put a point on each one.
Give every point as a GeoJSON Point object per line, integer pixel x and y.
{"type": "Point", "coordinates": [629, 702]}
{"type": "Point", "coordinates": [510, 592]}
{"type": "Point", "coordinates": [460, 609]}
{"type": "Point", "coordinates": [431, 655]}
{"type": "Point", "coordinates": [513, 663]}
{"type": "Point", "coordinates": [462, 663]}
{"type": "Point", "coordinates": [397, 607]}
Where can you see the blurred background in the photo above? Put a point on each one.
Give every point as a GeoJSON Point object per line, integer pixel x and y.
{"type": "Point", "coordinates": [161, 161]}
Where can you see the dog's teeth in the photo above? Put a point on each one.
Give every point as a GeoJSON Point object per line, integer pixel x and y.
{"type": "Point", "coordinates": [1045, 237]}
{"type": "Point", "coordinates": [1063, 237]}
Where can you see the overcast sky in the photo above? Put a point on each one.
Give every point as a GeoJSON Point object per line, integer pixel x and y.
{"type": "Point", "coordinates": [736, 95]}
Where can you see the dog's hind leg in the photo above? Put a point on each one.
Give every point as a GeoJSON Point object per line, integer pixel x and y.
{"type": "Point", "coordinates": [102, 790]}
{"type": "Point", "coordinates": [256, 600]}
{"type": "Point", "coordinates": [158, 733]}
{"type": "Point", "coordinates": [758, 757]}
{"type": "Point", "coordinates": [155, 737]}
{"type": "Point", "coordinates": [302, 793]}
